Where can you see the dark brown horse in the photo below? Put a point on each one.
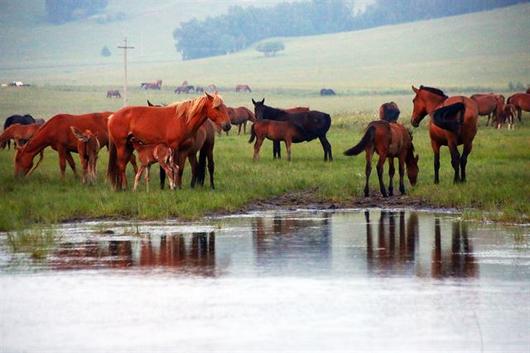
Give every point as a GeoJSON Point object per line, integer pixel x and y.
{"type": "Point", "coordinates": [239, 117]}
{"type": "Point", "coordinates": [454, 122]}
{"type": "Point", "coordinates": [276, 131]}
{"type": "Point", "coordinates": [113, 93]}
{"type": "Point", "coordinates": [243, 88]}
{"type": "Point", "coordinates": [388, 140]}
{"type": "Point", "coordinates": [389, 112]}
{"type": "Point", "coordinates": [151, 85]}
{"type": "Point", "coordinates": [489, 105]}
{"type": "Point", "coordinates": [521, 101]}
{"type": "Point", "coordinates": [171, 125]}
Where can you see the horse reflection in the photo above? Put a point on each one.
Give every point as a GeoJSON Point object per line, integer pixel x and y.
{"type": "Point", "coordinates": [92, 255]}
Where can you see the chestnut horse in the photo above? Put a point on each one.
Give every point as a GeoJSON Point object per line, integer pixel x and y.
{"type": "Point", "coordinates": [521, 101]}
{"type": "Point", "coordinates": [389, 112]}
{"type": "Point", "coordinates": [489, 105]}
{"type": "Point", "coordinates": [88, 147]}
{"type": "Point", "coordinates": [239, 117]}
{"type": "Point", "coordinates": [16, 119]}
{"type": "Point", "coordinates": [427, 101]}
{"type": "Point", "coordinates": [243, 88]}
{"type": "Point", "coordinates": [19, 133]}
{"type": "Point", "coordinates": [276, 131]}
{"type": "Point", "coordinates": [507, 116]}
{"type": "Point", "coordinates": [56, 133]}
{"type": "Point", "coordinates": [171, 125]}
{"type": "Point", "coordinates": [388, 140]}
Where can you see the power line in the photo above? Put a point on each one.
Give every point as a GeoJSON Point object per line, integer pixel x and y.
{"type": "Point", "coordinates": [125, 47]}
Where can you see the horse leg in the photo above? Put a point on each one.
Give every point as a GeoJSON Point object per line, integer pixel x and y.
{"type": "Point", "coordinates": [401, 176]}
{"type": "Point", "coordinates": [245, 128]}
{"type": "Point", "coordinates": [368, 171]}
{"type": "Point", "coordinates": [257, 146]}
{"type": "Point", "coordinates": [391, 172]}
{"type": "Point", "coordinates": [211, 167]}
{"type": "Point", "coordinates": [162, 176]}
{"type": "Point", "coordinates": [463, 161]}
{"type": "Point", "coordinates": [436, 151]}
{"type": "Point", "coordinates": [380, 169]}
{"type": "Point", "coordinates": [181, 164]}
{"type": "Point", "coordinates": [148, 169]}
{"type": "Point", "coordinates": [288, 148]}
{"type": "Point", "coordinates": [327, 148]}
{"type": "Point", "coordinates": [455, 161]}
{"type": "Point", "coordinates": [137, 177]}
{"type": "Point", "coordinates": [519, 113]}
{"type": "Point", "coordinates": [192, 157]}
{"type": "Point", "coordinates": [276, 150]}
{"type": "Point", "coordinates": [239, 129]}
{"type": "Point", "coordinates": [71, 162]}
{"type": "Point", "coordinates": [62, 162]}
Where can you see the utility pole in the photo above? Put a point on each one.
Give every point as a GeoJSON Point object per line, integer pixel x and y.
{"type": "Point", "coordinates": [125, 48]}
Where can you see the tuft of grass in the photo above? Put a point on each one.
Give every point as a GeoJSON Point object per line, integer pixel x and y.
{"type": "Point", "coordinates": [37, 242]}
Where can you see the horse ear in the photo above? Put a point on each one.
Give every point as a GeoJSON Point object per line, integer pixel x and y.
{"type": "Point", "coordinates": [78, 134]}
{"type": "Point", "coordinates": [254, 102]}
{"type": "Point", "coordinates": [149, 103]}
{"type": "Point", "coordinates": [208, 95]}
{"type": "Point", "coordinates": [263, 101]}
{"type": "Point", "coordinates": [414, 89]}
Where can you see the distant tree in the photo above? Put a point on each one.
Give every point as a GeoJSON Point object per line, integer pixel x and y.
{"type": "Point", "coordinates": [270, 48]}
{"type": "Point", "coordinates": [105, 51]}
{"type": "Point", "coordinates": [62, 11]}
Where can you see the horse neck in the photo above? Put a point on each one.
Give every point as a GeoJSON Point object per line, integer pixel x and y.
{"type": "Point", "coordinates": [273, 113]}
{"type": "Point", "coordinates": [37, 143]}
{"type": "Point", "coordinates": [195, 123]}
{"type": "Point", "coordinates": [433, 102]}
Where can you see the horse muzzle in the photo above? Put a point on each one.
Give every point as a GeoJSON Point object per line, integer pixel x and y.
{"type": "Point", "coordinates": [226, 126]}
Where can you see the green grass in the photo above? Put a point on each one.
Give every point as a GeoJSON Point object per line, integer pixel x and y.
{"type": "Point", "coordinates": [36, 242]}
{"type": "Point", "coordinates": [498, 171]}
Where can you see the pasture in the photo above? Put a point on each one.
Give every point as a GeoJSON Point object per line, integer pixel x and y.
{"type": "Point", "coordinates": [497, 187]}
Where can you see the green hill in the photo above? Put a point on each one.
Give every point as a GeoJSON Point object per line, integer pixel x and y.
{"type": "Point", "coordinates": [486, 49]}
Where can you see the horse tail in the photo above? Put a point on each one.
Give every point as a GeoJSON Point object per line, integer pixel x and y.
{"type": "Point", "coordinates": [112, 168]}
{"type": "Point", "coordinates": [252, 134]}
{"type": "Point", "coordinates": [201, 168]}
{"type": "Point", "coordinates": [367, 140]}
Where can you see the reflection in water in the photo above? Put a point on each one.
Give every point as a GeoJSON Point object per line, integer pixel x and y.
{"type": "Point", "coordinates": [384, 256]}
{"type": "Point", "coordinates": [195, 255]}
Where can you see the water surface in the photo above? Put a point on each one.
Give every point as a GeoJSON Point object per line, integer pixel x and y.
{"type": "Point", "coordinates": [363, 280]}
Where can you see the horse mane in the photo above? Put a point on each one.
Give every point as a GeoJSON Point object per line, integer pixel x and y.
{"type": "Point", "coordinates": [436, 91]}
{"type": "Point", "coordinates": [190, 108]}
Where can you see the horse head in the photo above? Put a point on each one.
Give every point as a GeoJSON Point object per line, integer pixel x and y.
{"type": "Point", "coordinates": [412, 165]}
{"type": "Point", "coordinates": [425, 101]}
{"type": "Point", "coordinates": [259, 108]}
{"type": "Point", "coordinates": [216, 111]}
{"type": "Point", "coordinates": [24, 162]}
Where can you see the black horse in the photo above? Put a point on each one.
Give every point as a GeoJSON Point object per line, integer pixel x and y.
{"type": "Point", "coordinates": [17, 119]}
{"type": "Point", "coordinates": [312, 124]}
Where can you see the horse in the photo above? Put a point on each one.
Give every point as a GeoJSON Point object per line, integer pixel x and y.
{"type": "Point", "coordinates": [276, 131]}
{"type": "Point", "coordinates": [199, 89]}
{"type": "Point", "coordinates": [243, 88]}
{"type": "Point", "coordinates": [184, 89]}
{"type": "Point", "coordinates": [16, 119]}
{"type": "Point", "coordinates": [430, 100]}
{"type": "Point", "coordinates": [239, 117]}
{"type": "Point", "coordinates": [327, 92]}
{"type": "Point", "coordinates": [113, 93]}
{"type": "Point", "coordinates": [88, 147]}
{"type": "Point", "coordinates": [521, 101]}
{"type": "Point", "coordinates": [389, 112]}
{"type": "Point", "coordinates": [19, 133]}
{"type": "Point", "coordinates": [151, 85]}
{"type": "Point", "coordinates": [488, 104]}
{"type": "Point", "coordinates": [150, 154]}
{"type": "Point", "coordinates": [388, 140]}
{"type": "Point", "coordinates": [507, 115]}
{"type": "Point", "coordinates": [313, 123]}
{"type": "Point", "coordinates": [171, 125]}
{"type": "Point", "coordinates": [57, 134]}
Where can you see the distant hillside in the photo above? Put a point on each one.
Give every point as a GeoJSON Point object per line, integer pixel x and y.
{"type": "Point", "coordinates": [481, 49]}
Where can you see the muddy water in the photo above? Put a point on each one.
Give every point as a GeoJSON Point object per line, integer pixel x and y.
{"type": "Point", "coordinates": [363, 280]}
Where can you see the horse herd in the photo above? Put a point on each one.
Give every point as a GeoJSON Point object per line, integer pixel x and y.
{"type": "Point", "coordinates": [170, 135]}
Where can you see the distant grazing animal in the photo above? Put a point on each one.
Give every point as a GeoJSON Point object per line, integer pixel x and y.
{"type": "Point", "coordinates": [19, 133]}
{"type": "Point", "coordinates": [313, 124]}
{"type": "Point", "coordinates": [462, 126]}
{"type": "Point", "coordinates": [389, 112]}
{"type": "Point", "coordinates": [388, 140]}
{"type": "Point", "coordinates": [239, 117]}
{"type": "Point", "coordinates": [243, 88]}
{"type": "Point", "coordinates": [489, 105]}
{"type": "Point", "coordinates": [276, 131]}
{"type": "Point", "coordinates": [507, 116]}
{"type": "Point", "coordinates": [40, 121]}
{"type": "Point", "coordinates": [16, 119]}
{"type": "Point", "coordinates": [88, 147]}
{"type": "Point", "coordinates": [171, 125]}
{"type": "Point", "coordinates": [113, 93]}
{"type": "Point", "coordinates": [521, 101]}
{"type": "Point", "coordinates": [150, 154]}
{"type": "Point", "coordinates": [327, 92]}
{"type": "Point", "coordinates": [199, 89]}
{"type": "Point", "coordinates": [151, 85]}
{"type": "Point", "coordinates": [184, 89]}
{"type": "Point", "coordinates": [57, 134]}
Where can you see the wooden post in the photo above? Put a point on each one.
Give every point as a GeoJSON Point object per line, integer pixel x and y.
{"type": "Point", "coordinates": [125, 48]}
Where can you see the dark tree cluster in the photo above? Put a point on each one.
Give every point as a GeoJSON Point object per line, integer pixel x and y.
{"type": "Point", "coordinates": [243, 26]}
{"type": "Point", "coordinates": [62, 11]}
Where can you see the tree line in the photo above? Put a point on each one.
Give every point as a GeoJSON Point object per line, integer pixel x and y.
{"type": "Point", "coordinates": [62, 11]}
{"type": "Point", "coordinates": [241, 26]}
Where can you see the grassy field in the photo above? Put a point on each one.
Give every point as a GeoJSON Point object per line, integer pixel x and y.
{"type": "Point", "coordinates": [497, 170]}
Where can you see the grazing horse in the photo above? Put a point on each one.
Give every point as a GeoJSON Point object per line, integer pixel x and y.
{"type": "Point", "coordinates": [151, 85]}
{"type": "Point", "coordinates": [88, 147]}
{"type": "Point", "coordinates": [327, 92]}
{"type": "Point", "coordinates": [521, 101]}
{"type": "Point", "coordinates": [243, 88]}
{"type": "Point", "coordinates": [171, 125]}
{"type": "Point", "coordinates": [199, 89]}
{"type": "Point", "coordinates": [184, 89]}
{"type": "Point", "coordinates": [113, 93]}
{"type": "Point", "coordinates": [488, 104]}
{"type": "Point", "coordinates": [388, 140]}
{"type": "Point", "coordinates": [239, 117]}
{"type": "Point", "coordinates": [507, 116]}
{"type": "Point", "coordinates": [57, 134]}
{"type": "Point", "coordinates": [276, 131]}
{"type": "Point", "coordinates": [389, 112]}
{"type": "Point", "coordinates": [429, 100]}
{"type": "Point", "coordinates": [313, 124]}
{"type": "Point", "coordinates": [150, 154]}
{"type": "Point", "coordinates": [16, 119]}
{"type": "Point", "coordinates": [19, 133]}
